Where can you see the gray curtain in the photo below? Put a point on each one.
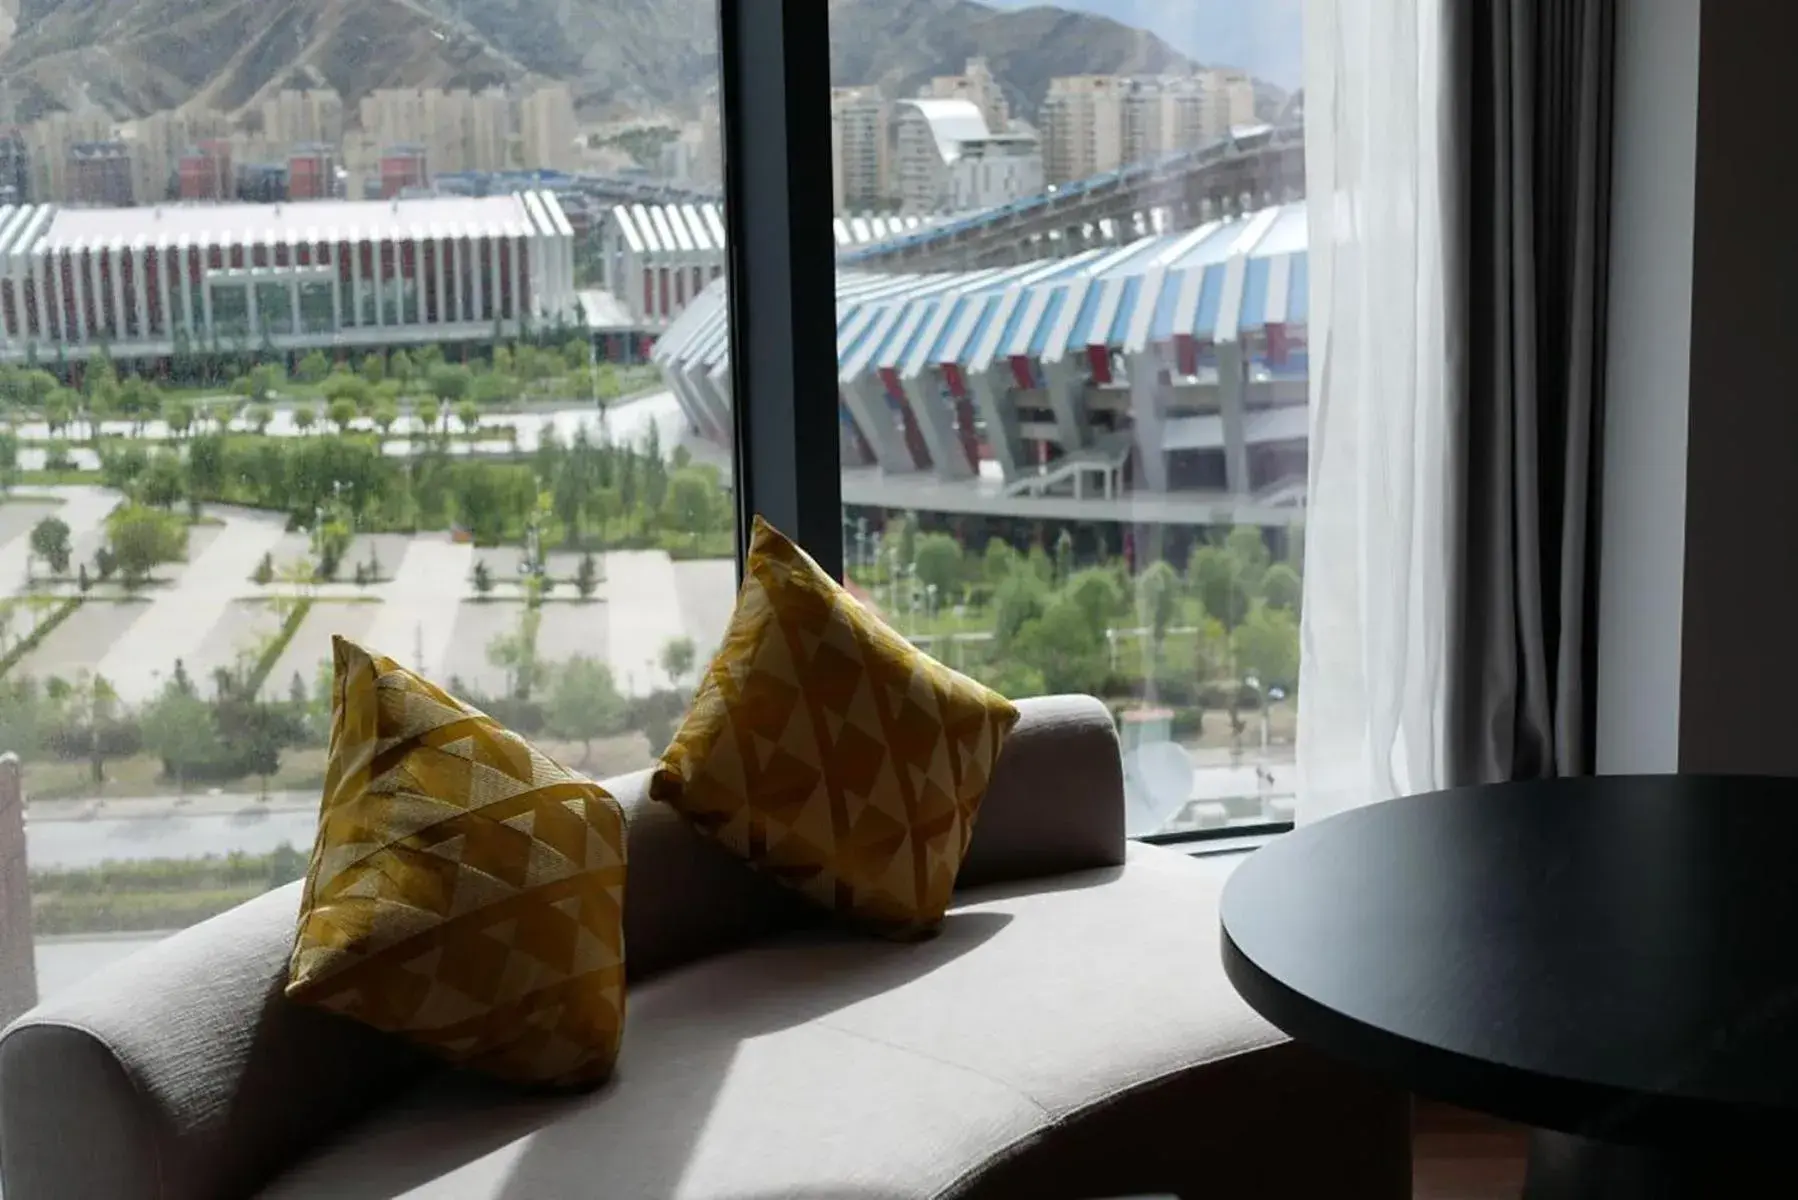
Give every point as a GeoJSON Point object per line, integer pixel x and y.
{"type": "Point", "coordinates": [1536, 121]}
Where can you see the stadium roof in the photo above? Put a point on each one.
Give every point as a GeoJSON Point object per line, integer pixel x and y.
{"type": "Point", "coordinates": [514, 215]}
{"type": "Point", "coordinates": [689, 228]}
{"type": "Point", "coordinates": [1222, 282]}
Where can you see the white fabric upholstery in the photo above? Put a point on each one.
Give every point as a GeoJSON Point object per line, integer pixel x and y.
{"type": "Point", "coordinates": [829, 1064]}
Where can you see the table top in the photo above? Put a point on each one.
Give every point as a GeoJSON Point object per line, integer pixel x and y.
{"type": "Point", "coordinates": [1616, 957]}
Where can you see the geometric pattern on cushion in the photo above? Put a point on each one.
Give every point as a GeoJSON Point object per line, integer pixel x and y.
{"type": "Point", "coordinates": [465, 891]}
{"type": "Point", "coordinates": [831, 753]}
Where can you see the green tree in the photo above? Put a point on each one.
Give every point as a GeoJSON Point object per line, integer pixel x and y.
{"type": "Point", "coordinates": [313, 368]}
{"type": "Point", "coordinates": [399, 368]}
{"type": "Point", "coordinates": [1064, 647]}
{"type": "Point", "coordinates": [1282, 588]}
{"type": "Point", "coordinates": [1096, 591]}
{"type": "Point", "coordinates": [386, 413]}
{"type": "Point", "coordinates": [259, 416]}
{"type": "Point", "coordinates": [449, 383]}
{"type": "Point", "coordinates": [1266, 645]}
{"type": "Point", "coordinates": [583, 704]}
{"type": "Point", "coordinates": [341, 413]}
{"type": "Point", "coordinates": [141, 539]}
{"type": "Point", "coordinates": [1215, 576]}
{"type": "Point", "coordinates": [575, 352]}
{"type": "Point", "coordinates": [483, 579]}
{"type": "Point", "coordinates": [429, 413]}
{"type": "Point", "coordinates": [349, 389]}
{"type": "Point", "coordinates": [265, 570]}
{"type": "Point", "coordinates": [83, 583]}
{"type": "Point", "coordinates": [374, 368]}
{"type": "Point", "coordinates": [516, 654]}
{"type": "Point", "coordinates": [694, 503]}
{"type": "Point", "coordinates": [677, 659]}
{"type": "Point", "coordinates": [586, 576]}
{"type": "Point", "coordinates": [1158, 602]}
{"type": "Point", "coordinates": [468, 416]}
{"type": "Point", "coordinates": [50, 542]}
{"type": "Point", "coordinates": [1064, 556]}
{"type": "Point", "coordinates": [681, 458]}
{"type": "Point", "coordinates": [1020, 599]}
{"type": "Point", "coordinates": [178, 728]}
{"type": "Point", "coordinates": [1249, 548]}
{"type": "Point", "coordinates": [304, 417]}
{"type": "Point", "coordinates": [58, 458]}
{"type": "Point", "coordinates": [164, 482]}
{"type": "Point", "coordinates": [9, 460]}
{"type": "Point", "coordinates": [939, 564]}
{"type": "Point", "coordinates": [179, 415]}
{"type": "Point", "coordinates": [206, 466]}
{"type": "Point", "coordinates": [491, 389]}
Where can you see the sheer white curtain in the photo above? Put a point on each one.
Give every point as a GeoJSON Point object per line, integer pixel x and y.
{"type": "Point", "coordinates": [1385, 376]}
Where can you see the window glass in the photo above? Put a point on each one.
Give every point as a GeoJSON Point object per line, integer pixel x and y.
{"type": "Point", "coordinates": [283, 358]}
{"type": "Point", "coordinates": [1072, 293]}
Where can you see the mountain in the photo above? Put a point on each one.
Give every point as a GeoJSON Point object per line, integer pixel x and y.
{"type": "Point", "coordinates": [1263, 37]}
{"type": "Point", "coordinates": [133, 57]}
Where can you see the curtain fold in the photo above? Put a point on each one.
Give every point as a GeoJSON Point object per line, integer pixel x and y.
{"type": "Point", "coordinates": [1457, 159]}
{"type": "Point", "coordinates": [1538, 118]}
{"type": "Point", "coordinates": [1387, 381]}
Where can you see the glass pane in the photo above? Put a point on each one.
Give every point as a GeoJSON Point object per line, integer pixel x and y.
{"type": "Point", "coordinates": [1071, 339]}
{"type": "Point", "coordinates": [334, 363]}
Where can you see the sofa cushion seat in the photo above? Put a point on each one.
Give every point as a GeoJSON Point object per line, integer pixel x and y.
{"type": "Point", "coordinates": [819, 1063]}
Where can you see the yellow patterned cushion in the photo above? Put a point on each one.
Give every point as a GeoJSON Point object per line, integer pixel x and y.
{"type": "Point", "coordinates": [465, 891]}
{"type": "Point", "coordinates": [830, 752]}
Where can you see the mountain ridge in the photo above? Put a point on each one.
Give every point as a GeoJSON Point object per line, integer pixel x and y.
{"type": "Point", "coordinates": [134, 57]}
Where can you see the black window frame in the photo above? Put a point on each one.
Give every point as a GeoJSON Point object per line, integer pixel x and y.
{"type": "Point", "coordinates": [774, 102]}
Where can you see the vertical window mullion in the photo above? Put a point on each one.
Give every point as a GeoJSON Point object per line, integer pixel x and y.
{"type": "Point", "coordinates": [775, 100]}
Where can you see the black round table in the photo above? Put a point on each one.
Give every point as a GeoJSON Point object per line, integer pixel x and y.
{"type": "Point", "coordinates": [1613, 962]}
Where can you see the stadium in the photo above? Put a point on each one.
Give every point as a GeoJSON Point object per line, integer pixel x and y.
{"type": "Point", "coordinates": [144, 282]}
{"type": "Point", "coordinates": [1160, 380]}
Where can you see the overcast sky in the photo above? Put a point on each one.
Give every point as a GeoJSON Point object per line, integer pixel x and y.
{"type": "Point", "coordinates": [1264, 37]}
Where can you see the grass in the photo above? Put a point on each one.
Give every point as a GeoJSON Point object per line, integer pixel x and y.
{"type": "Point", "coordinates": [134, 912]}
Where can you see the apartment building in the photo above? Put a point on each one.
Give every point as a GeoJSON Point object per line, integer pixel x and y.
{"type": "Point", "coordinates": [1083, 126]}
{"type": "Point", "coordinates": [859, 177]}
{"type": "Point", "coordinates": [303, 116]}
{"type": "Point", "coordinates": [976, 85]}
{"type": "Point", "coordinates": [1097, 123]}
{"type": "Point", "coordinates": [547, 128]}
{"type": "Point", "coordinates": [460, 130]}
{"type": "Point", "coordinates": [158, 143]}
{"type": "Point", "coordinates": [48, 142]}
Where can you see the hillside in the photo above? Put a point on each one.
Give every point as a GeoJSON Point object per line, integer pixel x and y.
{"type": "Point", "coordinates": [132, 57]}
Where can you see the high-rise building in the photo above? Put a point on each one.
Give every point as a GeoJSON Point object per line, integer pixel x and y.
{"type": "Point", "coordinates": [303, 116]}
{"type": "Point", "coordinates": [47, 144]}
{"type": "Point", "coordinates": [1096, 123]}
{"type": "Point", "coordinates": [927, 141]}
{"type": "Point", "coordinates": [1083, 126]}
{"type": "Point", "coordinates": [206, 172]}
{"type": "Point", "coordinates": [100, 174]}
{"type": "Point", "coordinates": [460, 130]}
{"type": "Point", "coordinates": [547, 128]}
{"type": "Point", "coordinates": [976, 85]}
{"type": "Point", "coordinates": [158, 142]}
{"type": "Point", "coordinates": [402, 167]}
{"type": "Point", "coordinates": [312, 172]}
{"type": "Point", "coordinates": [15, 168]}
{"type": "Point", "coordinates": [859, 177]}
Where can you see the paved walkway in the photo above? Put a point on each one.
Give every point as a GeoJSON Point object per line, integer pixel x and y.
{"type": "Point", "coordinates": [418, 611]}
{"type": "Point", "coordinates": [644, 615]}
{"type": "Point", "coordinates": [83, 510]}
{"type": "Point", "coordinates": [182, 616]}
